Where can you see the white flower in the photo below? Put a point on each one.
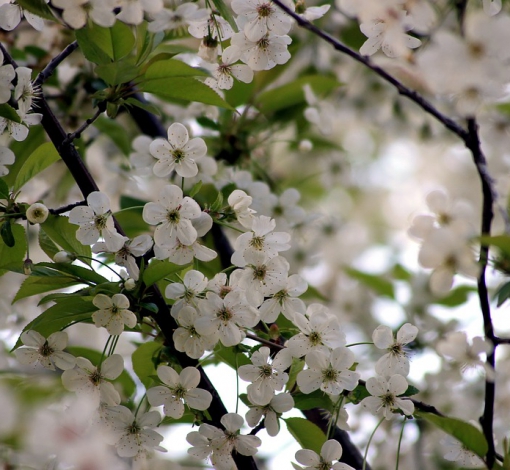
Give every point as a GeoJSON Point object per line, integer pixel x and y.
{"type": "Point", "coordinates": [311, 13]}
{"type": "Point", "coordinates": [395, 361]}
{"type": "Point", "coordinates": [178, 154]}
{"type": "Point", "coordinates": [265, 378]}
{"type": "Point", "coordinates": [331, 450]}
{"type": "Point", "coordinates": [194, 283]}
{"type": "Point", "coordinates": [319, 330]}
{"type": "Point", "coordinates": [64, 257]}
{"type": "Point", "coordinates": [19, 131]}
{"type": "Point", "coordinates": [213, 26]}
{"type": "Point", "coordinates": [179, 388]}
{"type": "Point", "coordinates": [492, 7]}
{"type": "Point", "coordinates": [261, 17]}
{"type": "Point", "coordinates": [320, 113]}
{"type": "Point", "coordinates": [222, 442]}
{"type": "Point", "coordinates": [95, 220]}
{"type": "Point", "coordinates": [239, 201]}
{"type": "Point", "coordinates": [37, 213]}
{"type": "Point", "coordinates": [132, 10]}
{"type": "Point", "coordinates": [329, 372]}
{"type": "Point", "coordinates": [133, 434]}
{"type": "Point", "coordinates": [285, 301]}
{"type": "Point", "coordinates": [187, 339]}
{"type": "Point", "coordinates": [86, 379]}
{"type": "Point", "coordinates": [177, 19]}
{"type": "Point", "coordinates": [228, 317]}
{"type": "Point", "coordinates": [76, 12]}
{"type": "Point", "coordinates": [7, 157]}
{"type": "Point", "coordinates": [384, 400]}
{"type": "Point", "coordinates": [48, 352]}
{"type": "Point", "coordinates": [226, 70]}
{"type": "Point", "coordinates": [11, 15]}
{"type": "Point", "coordinates": [265, 53]}
{"type": "Point", "coordinates": [456, 348]}
{"type": "Point", "coordinates": [261, 239]}
{"type": "Point", "coordinates": [141, 158]}
{"type": "Point", "coordinates": [7, 73]}
{"type": "Point", "coordinates": [126, 255]}
{"type": "Point", "coordinates": [456, 452]}
{"type": "Point", "coordinates": [113, 313]}
{"type": "Point", "coordinates": [271, 412]}
{"type": "Point", "coordinates": [24, 93]}
{"type": "Point", "coordinates": [172, 213]}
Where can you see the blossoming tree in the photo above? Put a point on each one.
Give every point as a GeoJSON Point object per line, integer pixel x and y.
{"type": "Point", "coordinates": [194, 187]}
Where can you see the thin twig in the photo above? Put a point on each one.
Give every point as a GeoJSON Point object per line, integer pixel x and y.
{"type": "Point", "coordinates": [67, 208]}
{"type": "Point", "coordinates": [47, 72]}
{"type": "Point", "coordinates": [77, 133]}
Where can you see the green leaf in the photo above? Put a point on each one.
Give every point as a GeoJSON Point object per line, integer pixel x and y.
{"type": "Point", "coordinates": [316, 399]}
{"type": "Point", "coordinates": [358, 394]}
{"type": "Point", "coordinates": [226, 13]}
{"type": "Point", "coordinates": [34, 285]}
{"type": "Point", "coordinates": [307, 434]}
{"type": "Point", "coordinates": [4, 189]}
{"type": "Point", "coordinates": [63, 233]}
{"type": "Point", "coordinates": [500, 241]}
{"type": "Point", "coordinates": [160, 269]}
{"type": "Point", "coordinates": [377, 283]}
{"type": "Point", "coordinates": [37, 7]}
{"type": "Point", "coordinates": [116, 132]}
{"type": "Point", "coordinates": [40, 159]}
{"type": "Point", "coordinates": [296, 367]}
{"type": "Point", "coordinates": [104, 45]}
{"type": "Point", "coordinates": [8, 112]}
{"type": "Point", "coordinates": [195, 189]}
{"type": "Point", "coordinates": [124, 379]}
{"type": "Point", "coordinates": [150, 108]}
{"type": "Point", "coordinates": [455, 297]}
{"type": "Point", "coordinates": [6, 232]}
{"type": "Point", "coordinates": [79, 272]}
{"type": "Point", "coordinates": [503, 293]}
{"type": "Point", "coordinates": [172, 68]}
{"type": "Point", "coordinates": [411, 390]}
{"type": "Point", "coordinates": [292, 93]}
{"type": "Point", "coordinates": [12, 258]}
{"type": "Point", "coordinates": [116, 73]}
{"type": "Point", "coordinates": [47, 244]}
{"type": "Point", "coordinates": [61, 315]}
{"type": "Point", "coordinates": [144, 361]}
{"type": "Point", "coordinates": [472, 438]}
{"type": "Point", "coordinates": [231, 356]}
{"type": "Point", "coordinates": [184, 88]}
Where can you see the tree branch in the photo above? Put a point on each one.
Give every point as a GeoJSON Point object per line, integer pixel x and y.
{"type": "Point", "coordinates": [47, 72]}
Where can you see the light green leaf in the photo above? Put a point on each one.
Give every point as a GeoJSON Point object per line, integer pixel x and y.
{"type": "Point", "coordinates": [160, 269]}
{"type": "Point", "coordinates": [61, 315]}
{"type": "Point", "coordinates": [231, 356]}
{"type": "Point", "coordinates": [4, 189]}
{"type": "Point", "coordinates": [78, 272]}
{"type": "Point", "coordinates": [500, 241]}
{"type": "Point", "coordinates": [471, 437]}
{"type": "Point", "coordinates": [6, 232]}
{"type": "Point", "coordinates": [124, 379]}
{"type": "Point", "coordinates": [150, 108]}
{"type": "Point", "coordinates": [195, 189]}
{"type": "Point", "coordinates": [184, 88]}
{"type": "Point", "coordinates": [143, 360]}
{"type": "Point", "coordinates": [377, 283]}
{"type": "Point", "coordinates": [172, 68]}
{"type": "Point", "coordinates": [292, 93]}
{"type": "Point", "coordinates": [455, 297]}
{"type": "Point", "coordinates": [47, 245]}
{"type": "Point", "coordinates": [37, 7]}
{"type": "Point", "coordinates": [39, 160]}
{"type": "Point", "coordinates": [11, 258]}
{"type": "Point", "coordinates": [34, 285]}
{"type": "Point", "coordinates": [503, 293]}
{"type": "Point", "coordinates": [63, 233]}
{"type": "Point", "coordinates": [316, 399]}
{"type": "Point", "coordinates": [307, 434]}
{"type": "Point", "coordinates": [116, 132]}
{"type": "Point", "coordinates": [8, 112]}
{"type": "Point", "coordinates": [116, 73]}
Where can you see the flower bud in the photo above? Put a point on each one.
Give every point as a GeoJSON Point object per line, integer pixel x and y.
{"type": "Point", "coordinates": [208, 49]}
{"type": "Point", "coordinates": [37, 213]}
{"type": "Point", "coordinates": [64, 257]}
{"type": "Point", "coordinates": [27, 266]}
{"type": "Point", "coordinates": [305, 145]}
{"type": "Point", "coordinates": [130, 284]}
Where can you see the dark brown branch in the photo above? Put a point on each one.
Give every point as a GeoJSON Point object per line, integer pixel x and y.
{"type": "Point", "coordinates": [47, 72]}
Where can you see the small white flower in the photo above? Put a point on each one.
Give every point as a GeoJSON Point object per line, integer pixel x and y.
{"type": "Point", "coordinates": [48, 352]}
{"type": "Point", "coordinates": [7, 157]}
{"type": "Point", "coordinates": [179, 388]}
{"type": "Point", "coordinates": [271, 412]}
{"type": "Point", "coordinates": [95, 220]}
{"type": "Point", "coordinates": [37, 213]}
{"type": "Point", "coordinates": [265, 53]}
{"type": "Point", "coordinates": [194, 283]}
{"type": "Point", "coordinates": [76, 12]}
{"type": "Point", "coordinates": [11, 15]}
{"type": "Point", "coordinates": [331, 450]}
{"type": "Point", "coordinates": [178, 19]}
{"type": "Point", "coordinates": [328, 372]}
{"type": "Point", "coordinates": [19, 131]}
{"type": "Point", "coordinates": [285, 301]}
{"type": "Point", "coordinates": [113, 313]}
{"type": "Point", "coordinates": [133, 434]}
{"type": "Point", "coordinates": [7, 73]}
{"type": "Point", "coordinates": [456, 452]}
{"type": "Point", "coordinates": [240, 203]}
{"type": "Point", "coordinates": [265, 378]}
{"type": "Point", "coordinates": [132, 10]}
{"type": "Point", "coordinates": [24, 93]}
{"type": "Point", "coordinates": [395, 361]}
{"type": "Point", "coordinates": [384, 400]}
{"type": "Point", "coordinates": [64, 257]}
{"type": "Point", "coordinates": [178, 153]}
{"type": "Point", "coordinates": [172, 213]}
{"type": "Point", "coordinates": [227, 70]}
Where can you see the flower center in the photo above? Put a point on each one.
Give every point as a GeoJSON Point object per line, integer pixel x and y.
{"type": "Point", "coordinates": [259, 272]}
{"type": "Point", "coordinates": [263, 43]}
{"type": "Point", "coordinates": [45, 350]}
{"type": "Point", "coordinates": [315, 338]}
{"type": "Point", "coordinates": [329, 374]}
{"type": "Point", "coordinates": [224, 314]}
{"type": "Point", "coordinates": [179, 392]}
{"type": "Point", "coordinates": [95, 377]}
{"type": "Point", "coordinates": [257, 243]}
{"type": "Point", "coordinates": [281, 295]}
{"type": "Point", "coordinates": [224, 69]}
{"type": "Point", "coordinates": [133, 428]}
{"type": "Point", "coordinates": [388, 400]}
{"type": "Point", "coordinates": [173, 216]}
{"type": "Point", "coordinates": [178, 155]}
{"type": "Point", "coordinates": [266, 371]}
{"type": "Point", "coordinates": [264, 10]}
{"type": "Point", "coordinates": [100, 221]}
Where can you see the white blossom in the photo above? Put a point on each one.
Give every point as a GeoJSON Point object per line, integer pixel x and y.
{"type": "Point", "coordinates": [187, 339]}
{"type": "Point", "coordinates": [331, 450]}
{"type": "Point", "coordinates": [113, 313]}
{"type": "Point", "coordinates": [37, 213]}
{"type": "Point", "coordinates": [271, 412]}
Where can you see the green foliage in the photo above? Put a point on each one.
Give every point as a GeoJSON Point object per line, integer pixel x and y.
{"type": "Point", "coordinates": [124, 379]}
{"type": "Point", "coordinates": [170, 68]}
{"type": "Point", "coordinates": [455, 297]}
{"type": "Point", "coordinates": [8, 112]}
{"type": "Point", "coordinates": [6, 233]}
{"type": "Point", "coordinates": [4, 189]}
{"type": "Point", "coordinates": [40, 159]}
{"type": "Point", "coordinates": [158, 270]}
{"type": "Point", "coordinates": [47, 244]}
{"type": "Point", "coordinates": [226, 13]}
{"type": "Point", "coordinates": [37, 7]}
{"type": "Point", "coordinates": [144, 361]}
{"type": "Point", "coordinates": [63, 234]}
{"type": "Point", "coordinates": [316, 399]}
{"type": "Point", "coordinates": [34, 285]}
{"type": "Point", "coordinates": [12, 257]}
{"type": "Point", "coordinates": [503, 293]}
{"type": "Point", "coordinates": [116, 132]}
{"type": "Point", "coordinates": [378, 284]}
{"type": "Point", "coordinates": [116, 73]}
{"type": "Point", "coordinates": [233, 357]}
{"type": "Point", "coordinates": [307, 434]}
{"type": "Point", "coordinates": [470, 437]}
{"type": "Point", "coordinates": [59, 316]}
